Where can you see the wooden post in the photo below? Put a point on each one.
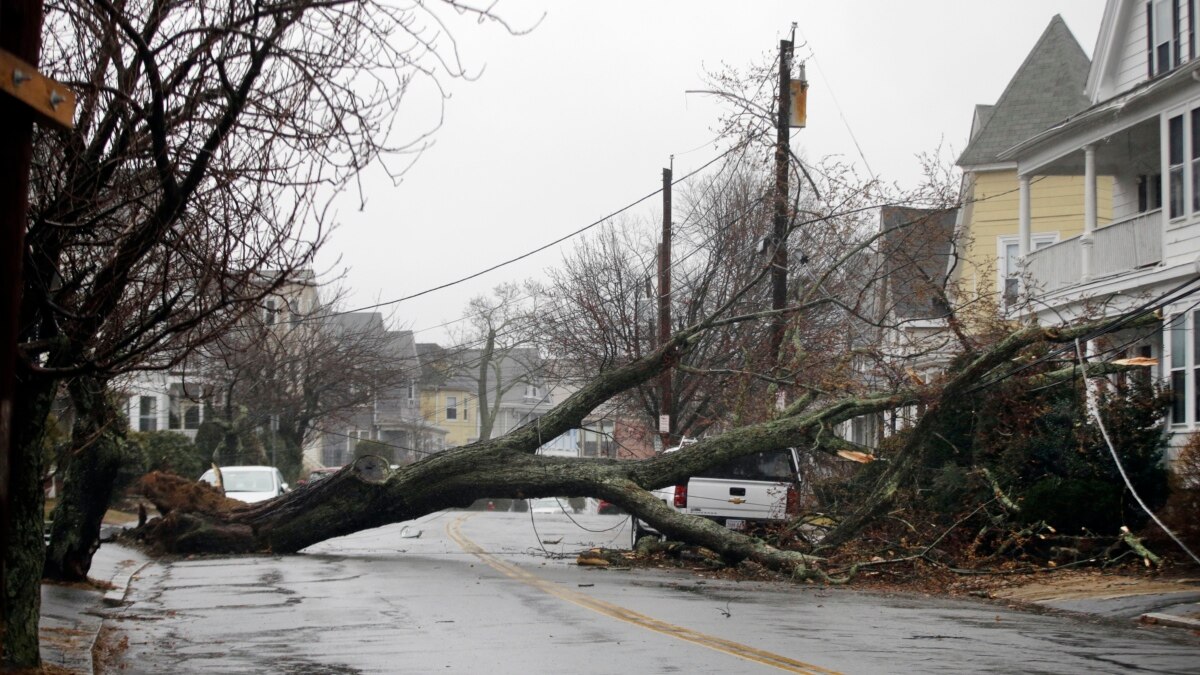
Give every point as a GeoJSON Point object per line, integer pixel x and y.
{"type": "Point", "coordinates": [26, 96]}
{"type": "Point", "coordinates": [779, 262]}
{"type": "Point", "coordinates": [666, 403]}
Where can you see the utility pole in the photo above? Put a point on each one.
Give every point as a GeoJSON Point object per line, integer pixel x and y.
{"type": "Point", "coordinates": [793, 112]}
{"type": "Point", "coordinates": [783, 137]}
{"type": "Point", "coordinates": [666, 398]}
{"type": "Point", "coordinates": [27, 96]}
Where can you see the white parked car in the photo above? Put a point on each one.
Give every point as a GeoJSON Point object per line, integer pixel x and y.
{"type": "Point", "coordinates": [249, 483]}
{"type": "Point", "coordinates": [548, 505]}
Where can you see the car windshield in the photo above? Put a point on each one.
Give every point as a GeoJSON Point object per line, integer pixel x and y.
{"type": "Point", "coordinates": [247, 481]}
{"type": "Point", "coordinates": [769, 466]}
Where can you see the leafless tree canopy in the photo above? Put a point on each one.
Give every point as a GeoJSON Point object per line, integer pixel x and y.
{"type": "Point", "coordinates": [209, 138]}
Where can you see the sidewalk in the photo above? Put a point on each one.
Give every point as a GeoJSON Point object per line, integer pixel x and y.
{"type": "Point", "coordinates": [73, 615]}
{"type": "Point", "coordinates": [1170, 602]}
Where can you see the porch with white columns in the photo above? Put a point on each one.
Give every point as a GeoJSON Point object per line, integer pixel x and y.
{"type": "Point", "coordinates": [1087, 240]}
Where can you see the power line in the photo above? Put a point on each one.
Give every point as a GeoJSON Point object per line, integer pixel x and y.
{"type": "Point", "coordinates": [825, 80]}
{"type": "Point", "coordinates": [539, 249]}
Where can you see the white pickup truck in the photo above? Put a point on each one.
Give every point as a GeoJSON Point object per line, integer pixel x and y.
{"type": "Point", "coordinates": [755, 489]}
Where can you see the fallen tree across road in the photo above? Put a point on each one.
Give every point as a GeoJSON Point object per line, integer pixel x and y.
{"type": "Point", "coordinates": [369, 493]}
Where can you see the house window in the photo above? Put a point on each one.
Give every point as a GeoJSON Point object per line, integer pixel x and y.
{"type": "Point", "coordinates": [183, 414]}
{"type": "Point", "coordinates": [1149, 192]}
{"type": "Point", "coordinates": [1175, 166]}
{"type": "Point", "coordinates": [1183, 371]}
{"type": "Point", "coordinates": [1163, 35]}
{"type": "Point", "coordinates": [1009, 267]}
{"type": "Point", "coordinates": [1195, 124]}
{"type": "Point", "coordinates": [147, 413]}
{"type": "Point", "coordinates": [1182, 135]}
{"type": "Point", "coordinates": [465, 406]}
{"type": "Point", "coordinates": [269, 312]}
{"type": "Point", "coordinates": [451, 407]}
{"type": "Point", "coordinates": [412, 392]}
{"type": "Point", "coordinates": [183, 411]}
{"type": "Point", "coordinates": [531, 391]}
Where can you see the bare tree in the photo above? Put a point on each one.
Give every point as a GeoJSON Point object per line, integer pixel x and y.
{"type": "Point", "coordinates": [602, 296]}
{"type": "Point", "coordinates": [208, 138]}
{"type": "Point", "coordinates": [498, 349]}
{"type": "Point", "coordinates": [293, 372]}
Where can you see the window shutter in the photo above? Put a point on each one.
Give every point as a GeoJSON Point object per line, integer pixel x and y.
{"type": "Point", "coordinates": [1150, 40]}
{"type": "Point", "coordinates": [1175, 32]}
{"type": "Point", "coordinates": [1191, 29]}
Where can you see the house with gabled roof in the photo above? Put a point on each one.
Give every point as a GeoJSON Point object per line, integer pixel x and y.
{"type": "Point", "coordinates": [391, 416]}
{"type": "Point", "coordinates": [1141, 127]}
{"type": "Point", "coordinates": [1048, 87]}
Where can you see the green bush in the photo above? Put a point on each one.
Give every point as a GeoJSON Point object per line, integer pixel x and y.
{"type": "Point", "coordinates": [1074, 504]}
{"type": "Point", "coordinates": [168, 451]}
{"type": "Point", "coordinates": [209, 436]}
{"type": "Point", "coordinates": [1049, 456]}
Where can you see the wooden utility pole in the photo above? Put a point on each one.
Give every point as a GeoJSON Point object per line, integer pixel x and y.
{"type": "Point", "coordinates": [779, 262]}
{"type": "Point", "coordinates": [26, 96]}
{"type": "Point", "coordinates": [666, 403]}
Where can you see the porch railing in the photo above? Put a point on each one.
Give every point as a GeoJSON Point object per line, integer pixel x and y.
{"type": "Point", "coordinates": [1122, 246]}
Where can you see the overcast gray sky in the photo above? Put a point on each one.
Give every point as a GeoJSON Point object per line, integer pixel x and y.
{"type": "Point", "coordinates": [577, 118]}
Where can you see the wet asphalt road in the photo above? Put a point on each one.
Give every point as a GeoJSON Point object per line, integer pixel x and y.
{"type": "Point", "coordinates": [475, 593]}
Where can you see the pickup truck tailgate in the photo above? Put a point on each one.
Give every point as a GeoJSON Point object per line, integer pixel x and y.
{"type": "Point", "coordinates": [744, 499]}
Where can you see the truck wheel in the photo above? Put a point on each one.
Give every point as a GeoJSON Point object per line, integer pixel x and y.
{"type": "Point", "coordinates": [639, 532]}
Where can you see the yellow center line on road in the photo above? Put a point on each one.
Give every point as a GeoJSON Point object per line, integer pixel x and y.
{"type": "Point", "coordinates": [454, 531]}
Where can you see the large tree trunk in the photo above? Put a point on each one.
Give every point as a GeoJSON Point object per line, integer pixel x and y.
{"type": "Point", "coordinates": [25, 549]}
{"type": "Point", "coordinates": [98, 451]}
{"type": "Point", "coordinates": [368, 493]}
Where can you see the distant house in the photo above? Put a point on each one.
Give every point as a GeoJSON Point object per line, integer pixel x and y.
{"type": "Point", "coordinates": [521, 388]}
{"type": "Point", "coordinates": [1047, 88]}
{"type": "Point", "coordinates": [448, 396]}
{"type": "Point", "coordinates": [1141, 125]}
{"type": "Point", "coordinates": [164, 401]}
{"type": "Point", "coordinates": [175, 399]}
{"type": "Point", "coordinates": [917, 250]}
{"type": "Point", "coordinates": [391, 417]}
{"type": "Point", "coordinates": [908, 313]}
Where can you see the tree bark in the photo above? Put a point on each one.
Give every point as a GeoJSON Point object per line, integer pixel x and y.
{"type": "Point", "coordinates": [99, 450]}
{"type": "Point", "coordinates": [24, 554]}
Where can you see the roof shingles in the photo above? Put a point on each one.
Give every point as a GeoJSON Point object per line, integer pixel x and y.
{"type": "Point", "coordinates": [1047, 88]}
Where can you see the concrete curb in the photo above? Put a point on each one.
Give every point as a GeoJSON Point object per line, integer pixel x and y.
{"type": "Point", "coordinates": [1160, 619]}
{"type": "Point", "coordinates": [73, 616]}
{"type": "Point", "coordinates": [115, 596]}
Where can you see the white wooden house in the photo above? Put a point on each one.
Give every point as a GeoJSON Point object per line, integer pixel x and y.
{"type": "Point", "coordinates": [1142, 129]}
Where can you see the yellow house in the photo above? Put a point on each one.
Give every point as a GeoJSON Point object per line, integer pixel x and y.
{"type": "Point", "coordinates": [1048, 88]}
{"type": "Point", "coordinates": [451, 408]}
{"type": "Point", "coordinates": [447, 401]}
